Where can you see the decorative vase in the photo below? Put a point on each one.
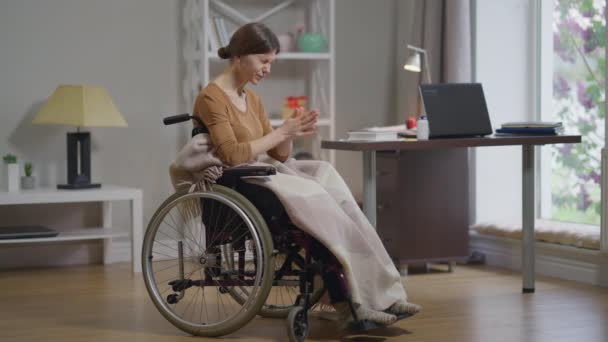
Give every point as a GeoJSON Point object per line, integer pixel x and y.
{"type": "Point", "coordinates": [311, 42]}
{"type": "Point", "coordinates": [286, 42]}
{"type": "Point", "coordinates": [28, 182]}
{"type": "Point", "coordinates": [12, 177]}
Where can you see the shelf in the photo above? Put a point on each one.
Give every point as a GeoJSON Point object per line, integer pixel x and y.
{"type": "Point", "coordinates": [54, 195]}
{"type": "Point", "coordinates": [106, 195]}
{"type": "Point", "coordinates": [77, 234]}
{"type": "Point", "coordinates": [287, 56]}
{"type": "Point", "coordinates": [279, 122]}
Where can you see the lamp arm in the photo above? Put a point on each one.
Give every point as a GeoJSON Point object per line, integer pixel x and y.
{"type": "Point", "coordinates": [427, 66]}
{"type": "Point", "coordinates": [415, 48]}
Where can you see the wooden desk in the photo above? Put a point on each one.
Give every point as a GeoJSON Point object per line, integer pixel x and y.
{"type": "Point", "coordinates": [370, 149]}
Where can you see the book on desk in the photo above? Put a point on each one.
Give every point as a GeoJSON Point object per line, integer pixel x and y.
{"type": "Point", "coordinates": [531, 128]}
{"type": "Point", "coordinates": [382, 133]}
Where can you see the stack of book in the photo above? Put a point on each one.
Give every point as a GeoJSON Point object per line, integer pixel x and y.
{"type": "Point", "coordinates": [371, 136]}
{"type": "Point", "coordinates": [531, 128]}
{"type": "Point", "coordinates": [377, 133]}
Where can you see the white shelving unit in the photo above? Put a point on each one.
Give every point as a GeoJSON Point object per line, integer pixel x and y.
{"type": "Point", "coordinates": [106, 194]}
{"type": "Point", "coordinates": [290, 56]}
{"type": "Point", "coordinates": [293, 73]}
{"type": "Point", "coordinates": [75, 234]}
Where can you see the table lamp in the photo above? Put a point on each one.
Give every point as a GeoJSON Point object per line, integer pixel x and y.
{"type": "Point", "coordinates": [414, 62]}
{"type": "Point", "coordinates": [80, 106]}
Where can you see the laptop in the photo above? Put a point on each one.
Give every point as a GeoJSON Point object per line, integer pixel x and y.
{"type": "Point", "coordinates": [26, 232]}
{"type": "Point", "coordinates": [455, 110]}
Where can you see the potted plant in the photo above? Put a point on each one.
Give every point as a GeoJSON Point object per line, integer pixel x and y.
{"type": "Point", "coordinates": [12, 172]}
{"type": "Point", "coordinates": [28, 181]}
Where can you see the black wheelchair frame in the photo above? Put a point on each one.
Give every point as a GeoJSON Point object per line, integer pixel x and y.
{"type": "Point", "coordinates": [299, 249]}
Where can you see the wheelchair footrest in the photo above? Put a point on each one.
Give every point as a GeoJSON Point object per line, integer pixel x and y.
{"type": "Point", "coordinates": [364, 325]}
{"type": "Point", "coordinates": [181, 284]}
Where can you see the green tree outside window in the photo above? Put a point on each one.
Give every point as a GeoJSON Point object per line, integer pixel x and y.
{"type": "Point", "coordinates": [579, 45]}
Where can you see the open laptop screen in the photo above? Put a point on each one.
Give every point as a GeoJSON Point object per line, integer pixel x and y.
{"type": "Point", "coordinates": [455, 109]}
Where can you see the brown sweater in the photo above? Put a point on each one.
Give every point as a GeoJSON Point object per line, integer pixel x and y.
{"type": "Point", "coordinates": [231, 129]}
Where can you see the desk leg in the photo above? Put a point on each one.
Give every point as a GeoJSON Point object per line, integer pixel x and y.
{"type": "Point", "coordinates": [107, 223]}
{"type": "Point", "coordinates": [528, 240]}
{"type": "Point", "coordinates": [369, 186]}
{"type": "Point", "coordinates": [137, 232]}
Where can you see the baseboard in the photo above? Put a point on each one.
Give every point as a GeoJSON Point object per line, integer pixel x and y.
{"type": "Point", "coordinates": [564, 262]}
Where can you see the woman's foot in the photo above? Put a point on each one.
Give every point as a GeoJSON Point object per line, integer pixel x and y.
{"type": "Point", "coordinates": [377, 317]}
{"type": "Point", "coordinates": [401, 307]}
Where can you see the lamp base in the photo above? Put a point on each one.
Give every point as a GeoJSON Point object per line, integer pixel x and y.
{"type": "Point", "coordinates": [79, 162]}
{"type": "Point", "coordinates": [78, 186]}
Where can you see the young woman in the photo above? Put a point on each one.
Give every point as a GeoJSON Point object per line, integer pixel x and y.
{"type": "Point", "coordinates": [240, 131]}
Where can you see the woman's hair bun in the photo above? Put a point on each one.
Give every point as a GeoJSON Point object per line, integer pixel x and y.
{"type": "Point", "coordinates": [224, 52]}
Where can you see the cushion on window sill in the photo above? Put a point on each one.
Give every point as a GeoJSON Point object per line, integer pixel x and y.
{"type": "Point", "coordinates": [564, 233]}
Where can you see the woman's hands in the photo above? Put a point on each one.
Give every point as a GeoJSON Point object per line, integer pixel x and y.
{"type": "Point", "coordinates": [300, 124]}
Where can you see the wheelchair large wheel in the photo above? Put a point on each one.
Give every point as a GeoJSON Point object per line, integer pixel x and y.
{"type": "Point", "coordinates": [288, 260]}
{"type": "Point", "coordinates": [198, 246]}
{"type": "Point", "coordinates": [285, 288]}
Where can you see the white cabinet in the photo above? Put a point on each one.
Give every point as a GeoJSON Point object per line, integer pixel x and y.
{"type": "Point", "coordinates": [107, 194]}
{"type": "Point", "coordinates": [293, 73]}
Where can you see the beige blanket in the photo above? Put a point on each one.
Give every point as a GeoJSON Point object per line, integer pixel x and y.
{"type": "Point", "coordinates": [319, 202]}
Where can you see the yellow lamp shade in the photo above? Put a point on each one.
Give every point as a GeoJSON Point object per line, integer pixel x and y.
{"type": "Point", "coordinates": [83, 106]}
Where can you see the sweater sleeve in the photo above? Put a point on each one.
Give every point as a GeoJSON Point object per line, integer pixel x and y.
{"type": "Point", "coordinates": [267, 127]}
{"type": "Point", "coordinates": [213, 113]}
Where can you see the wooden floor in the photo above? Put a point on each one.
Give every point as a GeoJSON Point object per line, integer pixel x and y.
{"type": "Point", "coordinates": [96, 303]}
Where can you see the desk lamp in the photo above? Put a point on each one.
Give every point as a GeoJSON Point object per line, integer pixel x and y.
{"type": "Point", "coordinates": [414, 62]}
{"type": "Point", "coordinates": [80, 106]}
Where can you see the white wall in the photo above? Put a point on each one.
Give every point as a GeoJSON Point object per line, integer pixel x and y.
{"type": "Point", "coordinates": [131, 48]}
{"type": "Point", "coordinates": [505, 68]}
{"type": "Point", "coordinates": [365, 75]}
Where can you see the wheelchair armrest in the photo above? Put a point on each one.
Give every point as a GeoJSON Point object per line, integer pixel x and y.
{"type": "Point", "coordinates": [232, 175]}
{"type": "Point", "coordinates": [244, 171]}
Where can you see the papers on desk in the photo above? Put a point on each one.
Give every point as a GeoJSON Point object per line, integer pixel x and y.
{"type": "Point", "coordinates": [382, 133]}
{"type": "Point", "coordinates": [371, 136]}
{"type": "Point", "coordinates": [531, 128]}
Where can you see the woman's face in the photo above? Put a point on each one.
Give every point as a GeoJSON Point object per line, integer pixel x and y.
{"type": "Point", "coordinates": [253, 68]}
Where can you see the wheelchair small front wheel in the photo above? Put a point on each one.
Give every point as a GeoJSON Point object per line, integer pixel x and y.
{"type": "Point", "coordinates": [297, 324]}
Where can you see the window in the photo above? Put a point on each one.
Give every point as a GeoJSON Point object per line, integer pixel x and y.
{"type": "Point", "coordinates": [572, 87]}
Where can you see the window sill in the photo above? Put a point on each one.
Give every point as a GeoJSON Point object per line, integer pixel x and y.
{"type": "Point", "coordinates": [560, 261]}
{"type": "Point", "coordinates": [547, 231]}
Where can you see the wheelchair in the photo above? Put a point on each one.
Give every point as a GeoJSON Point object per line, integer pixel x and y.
{"type": "Point", "coordinates": [213, 260]}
